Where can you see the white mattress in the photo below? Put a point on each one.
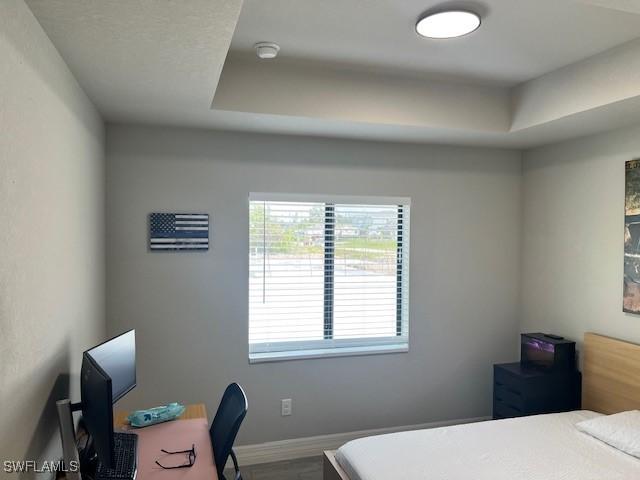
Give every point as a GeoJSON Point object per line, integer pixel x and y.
{"type": "Point", "coordinates": [542, 447]}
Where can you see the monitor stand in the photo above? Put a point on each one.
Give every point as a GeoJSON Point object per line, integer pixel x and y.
{"type": "Point", "coordinates": [68, 436]}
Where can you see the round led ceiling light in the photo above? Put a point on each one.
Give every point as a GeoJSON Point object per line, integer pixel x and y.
{"type": "Point", "coordinates": [448, 24]}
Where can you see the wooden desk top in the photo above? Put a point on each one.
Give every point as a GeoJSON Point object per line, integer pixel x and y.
{"type": "Point", "coordinates": [148, 448]}
{"type": "Point", "coordinates": [196, 410]}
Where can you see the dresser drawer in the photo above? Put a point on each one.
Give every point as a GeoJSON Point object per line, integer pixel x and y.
{"type": "Point", "coordinates": [509, 396]}
{"type": "Point", "coordinates": [502, 410]}
{"type": "Point", "coordinates": [503, 377]}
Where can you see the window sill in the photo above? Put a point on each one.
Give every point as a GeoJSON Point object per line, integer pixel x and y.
{"type": "Point", "coordinates": [327, 353]}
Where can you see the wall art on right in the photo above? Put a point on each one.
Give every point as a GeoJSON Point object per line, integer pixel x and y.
{"type": "Point", "coordinates": [631, 297]}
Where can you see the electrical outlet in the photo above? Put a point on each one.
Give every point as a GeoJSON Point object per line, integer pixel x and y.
{"type": "Point", "coordinates": [286, 407]}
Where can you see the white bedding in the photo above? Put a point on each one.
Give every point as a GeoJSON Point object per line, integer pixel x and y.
{"type": "Point", "coordinates": [542, 447]}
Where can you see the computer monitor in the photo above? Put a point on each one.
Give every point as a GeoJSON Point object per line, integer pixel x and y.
{"type": "Point", "coordinates": [108, 373]}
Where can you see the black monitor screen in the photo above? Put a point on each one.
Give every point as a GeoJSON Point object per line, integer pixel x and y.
{"type": "Point", "coordinates": [538, 353]}
{"type": "Point", "coordinates": [97, 408]}
{"type": "Point", "coordinates": [108, 373]}
{"type": "Point", "coordinates": [117, 358]}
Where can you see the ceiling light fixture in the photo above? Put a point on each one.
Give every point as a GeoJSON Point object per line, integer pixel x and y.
{"type": "Point", "coordinates": [267, 50]}
{"type": "Point", "coordinates": [448, 24]}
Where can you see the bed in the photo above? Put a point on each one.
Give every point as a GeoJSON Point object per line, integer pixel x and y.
{"type": "Point", "coordinates": [541, 447]}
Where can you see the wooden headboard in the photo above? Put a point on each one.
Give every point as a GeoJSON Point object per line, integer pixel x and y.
{"type": "Point", "coordinates": [610, 374]}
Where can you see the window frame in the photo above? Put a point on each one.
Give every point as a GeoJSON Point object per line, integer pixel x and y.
{"type": "Point", "coordinates": [328, 346]}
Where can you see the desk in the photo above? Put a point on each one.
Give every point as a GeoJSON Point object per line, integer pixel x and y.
{"type": "Point", "coordinates": [190, 427]}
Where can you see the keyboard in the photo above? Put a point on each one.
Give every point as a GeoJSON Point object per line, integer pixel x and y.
{"type": "Point", "coordinates": [125, 458]}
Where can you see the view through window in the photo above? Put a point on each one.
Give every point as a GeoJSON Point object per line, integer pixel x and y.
{"type": "Point", "coordinates": [327, 275]}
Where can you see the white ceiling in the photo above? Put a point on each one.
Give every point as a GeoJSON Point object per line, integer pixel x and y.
{"type": "Point", "coordinates": [518, 40]}
{"type": "Point", "coordinates": [143, 60]}
{"type": "Point", "coordinates": [622, 5]}
{"type": "Point", "coordinates": [537, 71]}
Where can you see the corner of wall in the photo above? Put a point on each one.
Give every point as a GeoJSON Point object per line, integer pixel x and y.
{"type": "Point", "coordinates": [52, 264]}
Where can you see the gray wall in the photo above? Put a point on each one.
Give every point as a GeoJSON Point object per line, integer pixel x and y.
{"type": "Point", "coordinates": [52, 237]}
{"type": "Point", "coordinates": [573, 233]}
{"type": "Point", "coordinates": [190, 310]}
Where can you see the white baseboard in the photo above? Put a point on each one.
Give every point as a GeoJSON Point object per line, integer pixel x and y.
{"type": "Point", "coordinates": [314, 446]}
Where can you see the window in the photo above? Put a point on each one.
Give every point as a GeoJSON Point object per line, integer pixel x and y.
{"type": "Point", "coordinates": [327, 275]}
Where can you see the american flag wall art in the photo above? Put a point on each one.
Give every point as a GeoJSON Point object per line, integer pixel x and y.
{"type": "Point", "coordinates": [178, 232]}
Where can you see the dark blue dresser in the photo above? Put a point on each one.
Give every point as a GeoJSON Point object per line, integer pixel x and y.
{"type": "Point", "coordinates": [519, 390]}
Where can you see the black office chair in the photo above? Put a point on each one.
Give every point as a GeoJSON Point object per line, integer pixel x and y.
{"type": "Point", "coordinates": [225, 426]}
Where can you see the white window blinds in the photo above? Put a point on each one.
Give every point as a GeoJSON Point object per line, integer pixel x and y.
{"type": "Point", "coordinates": [327, 275]}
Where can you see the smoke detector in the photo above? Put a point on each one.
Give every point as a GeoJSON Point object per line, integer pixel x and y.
{"type": "Point", "coordinates": [267, 50]}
